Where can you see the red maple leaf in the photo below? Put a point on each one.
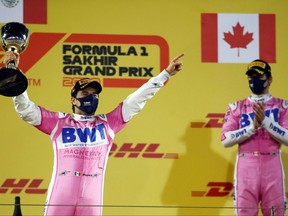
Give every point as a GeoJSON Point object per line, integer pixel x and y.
{"type": "Point", "coordinates": [239, 39]}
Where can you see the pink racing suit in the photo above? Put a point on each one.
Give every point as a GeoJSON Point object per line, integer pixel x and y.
{"type": "Point", "coordinates": [259, 176]}
{"type": "Point", "coordinates": [81, 147]}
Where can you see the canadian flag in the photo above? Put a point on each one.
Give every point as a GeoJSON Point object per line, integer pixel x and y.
{"type": "Point", "coordinates": [238, 38]}
{"type": "Point", "coordinates": [23, 11]}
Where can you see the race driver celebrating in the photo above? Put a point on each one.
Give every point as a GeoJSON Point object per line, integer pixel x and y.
{"type": "Point", "coordinates": [82, 140]}
{"type": "Point", "coordinates": [258, 124]}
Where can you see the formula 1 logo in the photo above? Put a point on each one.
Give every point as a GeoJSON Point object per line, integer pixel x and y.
{"type": "Point", "coordinates": [215, 120]}
{"type": "Point", "coordinates": [99, 55]}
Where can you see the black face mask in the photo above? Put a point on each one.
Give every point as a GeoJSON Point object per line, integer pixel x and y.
{"type": "Point", "coordinates": [88, 104]}
{"type": "Point", "coordinates": [257, 85]}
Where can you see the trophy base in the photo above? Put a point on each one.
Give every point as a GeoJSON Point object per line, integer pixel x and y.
{"type": "Point", "coordinates": [12, 82]}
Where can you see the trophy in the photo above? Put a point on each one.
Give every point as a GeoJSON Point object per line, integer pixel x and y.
{"type": "Point", "coordinates": [14, 38]}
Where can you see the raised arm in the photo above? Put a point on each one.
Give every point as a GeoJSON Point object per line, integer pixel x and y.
{"type": "Point", "coordinates": [26, 109]}
{"type": "Point", "coordinates": [135, 102]}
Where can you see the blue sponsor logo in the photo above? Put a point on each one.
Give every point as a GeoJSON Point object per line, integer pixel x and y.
{"type": "Point", "coordinates": [277, 129]}
{"type": "Point", "coordinates": [240, 133]}
{"type": "Point", "coordinates": [245, 117]}
{"type": "Point", "coordinates": [70, 135]}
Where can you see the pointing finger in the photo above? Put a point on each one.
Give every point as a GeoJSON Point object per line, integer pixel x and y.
{"type": "Point", "coordinates": [178, 57]}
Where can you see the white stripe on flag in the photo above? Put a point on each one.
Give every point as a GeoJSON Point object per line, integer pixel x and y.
{"type": "Point", "coordinates": [11, 12]}
{"type": "Point", "coordinates": [250, 24]}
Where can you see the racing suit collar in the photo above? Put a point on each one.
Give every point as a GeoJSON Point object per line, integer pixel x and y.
{"type": "Point", "coordinates": [78, 117]}
{"type": "Point", "coordinates": [259, 98]}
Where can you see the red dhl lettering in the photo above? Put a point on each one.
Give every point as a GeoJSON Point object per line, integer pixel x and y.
{"type": "Point", "coordinates": [217, 189]}
{"type": "Point", "coordinates": [143, 150]}
{"type": "Point", "coordinates": [215, 120]}
{"type": "Point", "coordinates": [14, 186]}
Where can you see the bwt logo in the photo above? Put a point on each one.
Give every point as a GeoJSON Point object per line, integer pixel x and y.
{"type": "Point", "coordinates": [143, 150]}
{"type": "Point", "coordinates": [82, 134]}
{"type": "Point", "coordinates": [215, 120]}
{"type": "Point", "coordinates": [30, 186]}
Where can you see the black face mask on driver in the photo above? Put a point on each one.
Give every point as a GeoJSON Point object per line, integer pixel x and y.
{"type": "Point", "coordinates": [89, 104]}
{"type": "Point", "coordinates": [257, 85]}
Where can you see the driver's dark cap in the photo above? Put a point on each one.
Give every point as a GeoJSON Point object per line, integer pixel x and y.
{"type": "Point", "coordinates": [258, 67]}
{"type": "Point", "coordinates": [86, 82]}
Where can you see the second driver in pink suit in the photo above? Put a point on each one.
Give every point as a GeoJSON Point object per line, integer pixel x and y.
{"type": "Point", "coordinates": [82, 140]}
{"type": "Point", "coordinates": [258, 124]}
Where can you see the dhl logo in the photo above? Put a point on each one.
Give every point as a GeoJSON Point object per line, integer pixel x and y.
{"type": "Point", "coordinates": [127, 150]}
{"type": "Point", "coordinates": [217, 189]}
{"type": "Point", "coordinates": [144, 150]}
{"type": "Point", "coordinates": [215, 120]}
{"type": "Point", "coordinates": [29, 186]}
{"type": "Point", "coordinates": [32, 186]}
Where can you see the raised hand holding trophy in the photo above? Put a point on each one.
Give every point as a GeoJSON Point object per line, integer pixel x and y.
{"type": "Point", "coordinates": [14, 38]}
